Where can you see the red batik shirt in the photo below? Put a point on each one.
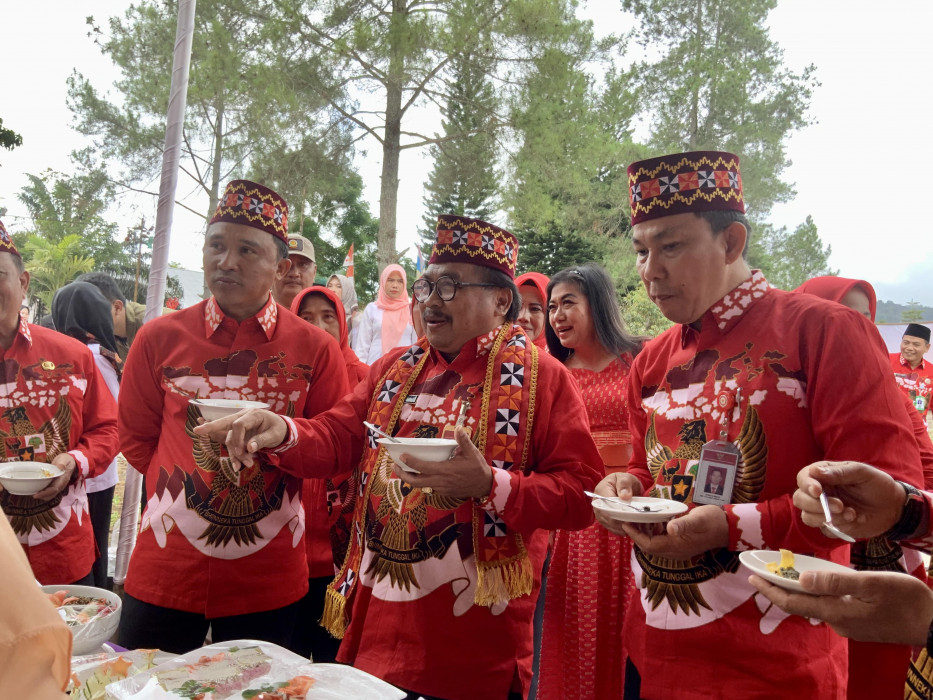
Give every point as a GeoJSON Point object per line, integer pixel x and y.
{"type": "Point", "coordinates": [915, 382]}
{"type": "Point", "coordinates": [211, 541]}
{"type": "Point", "coordinates": [812, 388]}
{"type": "Point", "coordinates": [430, 636]}
{"type": "Point", "coordinates": [54, 400]}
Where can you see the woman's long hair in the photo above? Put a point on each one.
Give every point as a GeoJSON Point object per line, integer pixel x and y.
{"type": "Point", "coordinates": [597, 286]}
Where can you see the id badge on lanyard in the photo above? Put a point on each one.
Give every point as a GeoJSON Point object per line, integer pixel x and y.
{"type": "Point", "coordinates": [719, 459]}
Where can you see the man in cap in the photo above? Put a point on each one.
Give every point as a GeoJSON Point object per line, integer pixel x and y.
{"type": "Point", "coordinates": [438, 588]}
{"type": "Point", "coordinates": [301, 273]}
{"type": "Point", "coordinates": [55, 409]}
{"type": "Point", "coordinates": [221, 546]}
{"type": "Point", "coordinates": [913, 373]}
{"type": "Point", "coordinates": [749, 378]}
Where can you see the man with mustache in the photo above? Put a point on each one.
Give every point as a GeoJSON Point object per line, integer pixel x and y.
{"type": "Point", "coordinates": [913, 373]}
{"type": "Point", "coordinates": [438, 588]}
{"type": "Point", "coordinates": [219, 546]}
{"type": "Point", "coordinates": [752, 372]}
{"type": "Point", "coordinates": [300, 273]}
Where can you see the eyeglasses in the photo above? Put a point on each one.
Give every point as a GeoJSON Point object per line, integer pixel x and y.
{"type": "Point", "coordinates": [446, 288]}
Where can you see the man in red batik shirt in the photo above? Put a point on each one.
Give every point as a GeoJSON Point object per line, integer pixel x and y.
{"type": "Point", "coordinates": [913, 373]}
{"type": "Point", "coordinates": [438, 588]}
{"type": "Point", "coordinates": [55, 408]}
{"type": "Point", "coordinates": [753, 371]}
{"type": "Point", "coordinates": [221, 546]}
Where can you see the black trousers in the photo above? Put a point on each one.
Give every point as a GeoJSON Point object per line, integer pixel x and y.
{"type": "Point", "coordinates": [310, 638]}
{"type": "Point", "coordinates": [147, 626]}
{"type": "Point", "coordinates": [100, 505]}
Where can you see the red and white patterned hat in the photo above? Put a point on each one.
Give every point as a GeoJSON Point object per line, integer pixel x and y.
{"type": "Point", "coordinates": [462, 239]}
{"type": "Point", "coordinates": [252, 204]}
{"type": "Point", "coordinates": [685, 183]}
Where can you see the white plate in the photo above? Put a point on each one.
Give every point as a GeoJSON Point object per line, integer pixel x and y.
{"type": "Point", "coordinates": [662, 509]}
{"type": "Point", "coordinates": [27, 478]}
{"type": "Point", "coordinates": [758, 559]}
{"type": "Point", "coordinates": [215, 409]}
{"type": "Point", "coordinates": [88, 637]}
{"type": "Point", "coordinates": [428, 449]}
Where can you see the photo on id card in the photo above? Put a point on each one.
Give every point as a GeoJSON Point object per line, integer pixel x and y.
{"type": "Point", "coordinates": [719, 461]}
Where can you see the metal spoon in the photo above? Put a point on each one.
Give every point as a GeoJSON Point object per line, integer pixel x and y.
{"type": "Point", "coordinates": [615, 499]}
{"type": "Point", "coordinates": [824, 501]}
{"type": "Point", "coordinates": [380, 432]}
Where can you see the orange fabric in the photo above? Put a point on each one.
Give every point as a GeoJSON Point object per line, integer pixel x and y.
{"type": "Point", "coordinates": [395, 312]}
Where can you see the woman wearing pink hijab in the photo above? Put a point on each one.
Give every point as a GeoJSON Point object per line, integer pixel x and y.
{"type": "Point", "coordinates": [386, 322]}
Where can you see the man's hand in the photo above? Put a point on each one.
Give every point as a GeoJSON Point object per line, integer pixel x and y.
{"type": "Point", "coordinates": [702, 529]}
{"type": "Point", "coordinates": [67, 464]}
{"type": "Point", "coordinates": [465, 475]}
{"type": "Point", "coordinates": [616, 485]}
{"type": "Point", "coordinates": [245, 433]}
{"type": "Point", "coordinates": [864, 501]}
{"type": "Point", "coordinates": [868, 606]}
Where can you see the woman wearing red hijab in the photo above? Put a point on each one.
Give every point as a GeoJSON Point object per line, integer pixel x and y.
{"type": "Point", "coordinates": [876, 670]}
{"type": "Point", "coordinates": [386, 322]}
{"type": "Point", "coordinates": [533, 317]}
{"type": "Point", "coordinates": [322, 307]}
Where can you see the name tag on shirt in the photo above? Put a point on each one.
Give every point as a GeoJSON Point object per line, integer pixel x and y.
{"type": "Point", "coordinates": [716, 472]}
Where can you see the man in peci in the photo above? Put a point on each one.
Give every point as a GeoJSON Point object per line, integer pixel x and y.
{"type": "Point", "coordinates": [752, 371]}
{"type": "Point", "coordinates": [438, 588]}
{"type": "Point", "coordinates": [221, 546]}
{"type": "Point", "coordinates": [913, 373]}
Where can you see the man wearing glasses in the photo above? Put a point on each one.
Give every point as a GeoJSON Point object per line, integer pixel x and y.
{"type": "Point", "coordinates": [453, 552]}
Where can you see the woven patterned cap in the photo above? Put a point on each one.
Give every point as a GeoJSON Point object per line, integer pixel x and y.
{"type": "Point", "coordinates": [685, 183]}
{"type": "Point", "coordinates": [462, 239]}
{"type": "Point", "coordinates": [6, 242]}
{"type": "Point", "coordinates": [252, 204]}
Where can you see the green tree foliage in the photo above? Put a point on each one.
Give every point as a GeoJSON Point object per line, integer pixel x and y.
{"type": "Point", "coordinates": [720, 84]}
{"type": "Point", "coordinates": [790, 259]}
{"type": "Point", "coordinates": [913, 314]}
{"type": "Point", "coordinates": [464, 179]}
{"type": "Point", "coordinates": [9, 139]}
{"type": "Point", "coordinates": [641, 315]}
{"type": "Point", "coordinates": [52, 265]}
{"type": "Point", "coordinates": [240, 106]}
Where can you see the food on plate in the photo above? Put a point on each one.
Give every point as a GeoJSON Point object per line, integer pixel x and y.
{"type": "Point", "coordinates": [295, 689]}
{"type": "Point", "coordinates": [785, 567]}
{"type": "Point", "coordinates": [109, 671]}
{"type": "Point", "coordinates": [223, 674]}
{"type": "Point", "coordinates": [79, 610]}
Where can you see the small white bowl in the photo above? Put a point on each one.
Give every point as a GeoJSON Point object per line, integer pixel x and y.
{"type": "Point", "coordinates": [428, 449]}
{"type": "Point", "coordinates": [215, 409]}
{"type": "Point", "coordinates": [27, 478]}
{"type": "Point", "coordinates": [88, 638]}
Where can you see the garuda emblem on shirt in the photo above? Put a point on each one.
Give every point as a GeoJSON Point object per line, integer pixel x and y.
{"type": "Point", "coordinates": [674, 580]}
{"type": "Point", "coordinates": [25, 443]}
{"type": "Point", "coordinates": [235, 501]}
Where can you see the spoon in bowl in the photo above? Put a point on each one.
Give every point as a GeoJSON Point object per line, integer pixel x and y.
{"type": "Point", "coordinates": [824, 501]}
{"type": "Point", "coordinates": [380, 432]}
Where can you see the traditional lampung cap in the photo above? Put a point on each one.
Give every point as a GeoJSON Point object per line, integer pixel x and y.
{"type": "Point", "coordinates": [6, 242]}
{"type": "Point", "coordinates": [685, 183]}
{"type": "Point", "coordinates": [917, 330]}
{"type": "Point", "coordinates": [252, 204]}
{"type": "Point", "coordinates": [299, 245]}
{"type": "Point", "coordinates": [462, 239]}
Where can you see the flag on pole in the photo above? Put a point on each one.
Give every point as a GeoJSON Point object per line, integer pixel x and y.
{"type": "Point", "coordinates": [419, 263]}
{"type": "Point", "coordinates": [348, 262]}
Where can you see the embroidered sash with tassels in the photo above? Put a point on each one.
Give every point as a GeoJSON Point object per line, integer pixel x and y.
{"type": "Point", "coordinates": [504, 419]}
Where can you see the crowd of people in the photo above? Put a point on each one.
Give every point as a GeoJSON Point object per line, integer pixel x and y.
{"type": "Point", "coordinates": [485, 575]}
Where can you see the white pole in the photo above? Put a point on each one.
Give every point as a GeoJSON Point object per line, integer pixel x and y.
{"type": "Point", "coordinates": [174, 126]}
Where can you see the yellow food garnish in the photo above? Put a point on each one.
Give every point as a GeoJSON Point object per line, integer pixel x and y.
{"type": "Point", "coordinates": [785, 567]}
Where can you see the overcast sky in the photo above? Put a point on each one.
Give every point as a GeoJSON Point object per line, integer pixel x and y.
{"type": "Point", "coordinates": [852, 167]}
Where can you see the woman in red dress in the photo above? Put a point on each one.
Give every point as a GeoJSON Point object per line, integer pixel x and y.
{"type": "Point", "coordinates": [590, 580]}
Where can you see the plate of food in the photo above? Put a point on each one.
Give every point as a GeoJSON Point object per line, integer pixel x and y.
{"type": "Point", "coordinates": [641, 509]}
{"type": "Point", "coordinates": [783, 568]}
{"type": "Point", "coordinates": [250, 670]}
{"type": "Point", "coordinates": [215, 409]}
{"type": "Point", "coordinates": [92, 614]}
{"type": "Point", "coordinates": [27, 478]}
{"type": "Point", "coordinates": [90, 675]}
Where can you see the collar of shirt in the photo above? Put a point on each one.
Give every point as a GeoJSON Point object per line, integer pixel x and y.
{"type": "Point", "coordinates": [726, 312]}
{"type": "Point", "coordinates": [906, 364]}
{"type": "Point", "coordinates": [267, 317]}
{"type": "Point", "coordinates": [24, 331]}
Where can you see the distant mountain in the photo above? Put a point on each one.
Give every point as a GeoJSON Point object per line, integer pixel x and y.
{"type": "Point", "coordinates": [889, 312]}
